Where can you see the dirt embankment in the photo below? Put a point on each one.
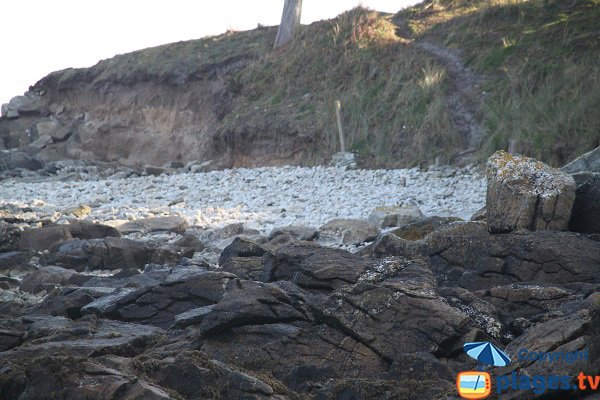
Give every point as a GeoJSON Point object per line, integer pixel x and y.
{"type": "Point", "coordinates": [133, 110]}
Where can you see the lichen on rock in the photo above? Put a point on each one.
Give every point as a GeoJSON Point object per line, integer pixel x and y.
{"type": "Point", "coordinates": [524, 193]}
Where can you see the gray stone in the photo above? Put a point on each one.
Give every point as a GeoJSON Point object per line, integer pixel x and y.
{"type": "Point", "coordinates": [298, 232]}
{"type": "Point", "coordinates": [153, 170]}
{"type": "Point", "coordinates": [312, 266]}
{"type": "Point", "coordinates": [12, 114]}
{"type": "Point", "coordinates": [344, 160]}
{"type": "Point", "coordinates": [78, 211]}
{"type": "Point", "coordinates": [349, 231]}
{"type": "Point", "coordinates": [192, 317]}
{"type": "Point", "coordinates": [18, 159]}
{"type": "Point", "coordinates": [390, 216]}
{"type": "Point", "coordinates": [523, 193]}
{"type": "Point", "coordinates": [53, 129]}
{"type": "Point", "coordinates": [41, 142]}
{"type": "Point", "coordinates": [29, 104]}
{"type": "Point", "coordinates": [43, 238]}
{"type": "Point", "coordinates": [45, 278]}
{"type": "Point", "coordinates": [157, 224]}
{"type": "Point", "coordinates": [587, 162]}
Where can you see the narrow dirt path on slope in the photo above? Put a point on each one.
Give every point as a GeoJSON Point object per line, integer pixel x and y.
{"type": "Point", "coordinates": [463, 98]}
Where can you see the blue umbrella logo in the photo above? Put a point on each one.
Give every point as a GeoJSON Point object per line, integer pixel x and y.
{"type": "Point", "coordinates": [487, 353]}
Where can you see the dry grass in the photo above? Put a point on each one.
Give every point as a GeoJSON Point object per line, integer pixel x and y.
{"type": "Point", "coordinates": [540, 58]}
{"type": "Point", "coordinates": [391, 95]}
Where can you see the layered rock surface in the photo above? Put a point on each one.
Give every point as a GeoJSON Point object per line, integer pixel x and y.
{"type": "Point", "coordinates": [160, 308]}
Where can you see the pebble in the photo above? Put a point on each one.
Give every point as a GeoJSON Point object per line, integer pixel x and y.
{"type": "Point", "coordinates": [261, 198]}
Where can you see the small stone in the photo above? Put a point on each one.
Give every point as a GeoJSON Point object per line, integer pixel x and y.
{"type": "Point", "coordinates": [78, 211]}
{"type": "Point", "coordinates": [390, 216]}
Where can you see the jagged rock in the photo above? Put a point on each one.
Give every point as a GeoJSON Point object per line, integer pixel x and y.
{"type": "Point", "coordinates": [349, 231]}
{"type": "Point", "coordinates": [312, 266]}
{"type": "Point", "coordinates": [91, 230]}
{"type": "Point", "coordinates": [46, 237]}
{"type": "Point", "coordinates": [76, 378]}
{"type": "Point", "coordinates": [85, 337]}
{"type": "Point", "coordinates": [567, 333]}
{"type": "Point", "coordinates": [418, 230]}
{"type": "Point", "coordinates": [46, 279]}
{"type": "Point", "coordinates": [278, 349]}
{"type": "Point", "coordinates": [43, 238]}
{"type": "Point", "coordinates": [192, 317]}
{"type": "Point", "coordinates": [10, 236]}
{"type": "Point", "coordinates": [47, 127]}
{"type": "Point", "coordinates": [589, 162]}
{"type": "Point", "coordinates": [250, 303]}
{"type": "Point", "coordinates": [192, 374]}
{"type": "Point", "coordinates": [467, 255]}
{"type": "Point", "coordinates": [533, 301]}
{"type": "Point", "coordinates": [28, 104]}
{"type": "Point", "coordinates": [390, 216]}
{"type": "Point", "coordinates": [10, 339]}
{"type": "Point", "coordinates": [242, 247]}
{"type": "Point", "coordinates": [373, 389]}
{"type": "Point", "coordinates": [243, 258]}
{"type": "Point", "coordinates": [153, 170]}
{"type": "Point", "coordinates": [39, 143]}
{"type": "Point", "coordinates": [190, 241]}
{"type": "Point", "coordinates": [160, 304]}
{"type": "Point", "coordinates": [15, 262]}
{"type": "Point", "coordinates": [586, 209]}
{"type": "Point", "coordinates": [523, 193]}
{"type": "Point", "coordinates": [298, 232]}
{"type": "Point", "coordinates": [18, 159]}
{"type": "Point", "coordinates": [111, 253]}
{"type": "Point", "coordinates": [69, 301]}
{"type": "Point", "coordinates": [156, 224]}
{"type": "Point", "coordinates": [401, 315]}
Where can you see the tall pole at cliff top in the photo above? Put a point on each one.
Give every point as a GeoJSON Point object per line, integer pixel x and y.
{"type": "Point", "coordinates": [290, 22]}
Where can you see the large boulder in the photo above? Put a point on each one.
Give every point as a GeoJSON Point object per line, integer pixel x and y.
{"type": "Point", "coordinates": [465, 254]}
{"type": "Point", "coordinates": [45, 279]}
{"type": "Point", "coordinates": [111, 253]}
{"type": "Point", "coordinates": [43, 238]}
{"type": "Point", "coordinates": [587, 162]}
{"type": "Point", "coordinates": [312, 266]}
{"type": "Point", "coordinates": [160, 304]}
{"type": "Point", "coordinates": [586, 209]}
{"type": "Point", "coordinates": [523, 193]}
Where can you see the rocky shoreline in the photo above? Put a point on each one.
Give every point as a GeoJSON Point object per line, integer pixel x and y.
{"type": "Point", "coordinates": [365, 287]}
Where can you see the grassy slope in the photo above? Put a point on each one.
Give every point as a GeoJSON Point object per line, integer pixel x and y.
{"type": "Point", "coordinates": [541, 59]}
{"type": "Point", "coordinates": [392, 96]}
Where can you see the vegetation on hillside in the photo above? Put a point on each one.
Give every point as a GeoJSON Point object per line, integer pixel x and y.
{"type": "Point", "coordinates": [392, 95]}
{"type": "Point", "coordinates": [541, 61]}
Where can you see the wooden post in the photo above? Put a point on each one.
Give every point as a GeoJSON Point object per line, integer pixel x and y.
{"type": "Point", "coordinates": [338, 109]}
{"type": "Point", "coordinates": [512, 146]}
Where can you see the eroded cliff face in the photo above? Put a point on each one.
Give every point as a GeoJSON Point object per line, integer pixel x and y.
{"type": "Point", "coordinates": [136, 109]}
